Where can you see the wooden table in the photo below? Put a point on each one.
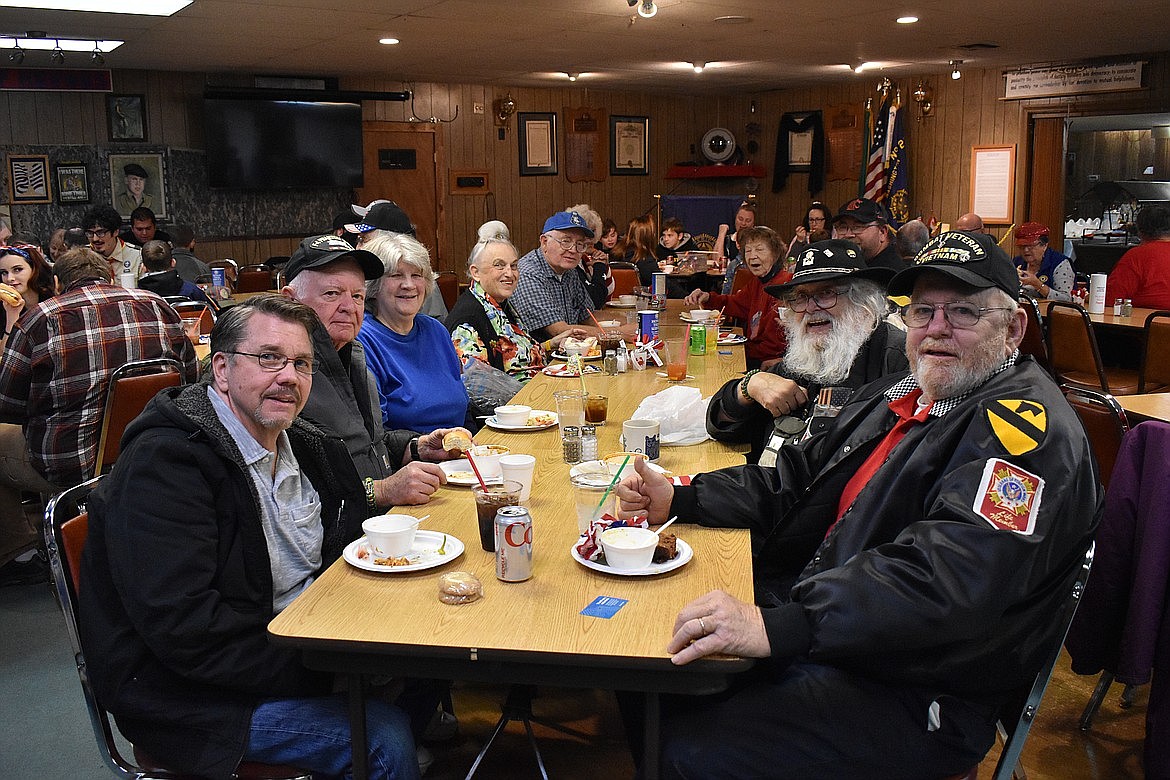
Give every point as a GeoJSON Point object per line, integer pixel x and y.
{"type": "Point", "coordinates": [359, 623]}
{"type": "Point", "coordinates": [1147, 406]}
{"type": "Point", "coordinates": [1135, 321]}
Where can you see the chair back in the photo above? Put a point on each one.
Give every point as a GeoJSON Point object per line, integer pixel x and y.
{"type": "Point", "coordinates": [1072, 348]}
{"type": "Point", "coordinates": [231, 270]}
{"type": "Point", "coordinates": [66, 530]}
{"type": "Point", "coordinates": [1105, 424]}
{"type": "Point", "coordinates": [1034, 338]}
{"type": "Point", "coordinates": [131, 386]}
{"type": "Point", "coordinates": [188, 309]}
{"type": "Point", "coordinates": [1018, 723]}
{"type": "Point", "coordinates": [253, 279]}
{"type": "Point", "coordinates": [1155, 374]}
{"type": "Point", "coordinates": [448, 283]}
{"type": "Point", "coordinates": [742, 275]}
{"type": "Point", "coordinates": [624, 280]}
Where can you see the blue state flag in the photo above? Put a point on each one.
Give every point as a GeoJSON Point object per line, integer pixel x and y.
{"type": "Point", "coordinates": [898, 169]}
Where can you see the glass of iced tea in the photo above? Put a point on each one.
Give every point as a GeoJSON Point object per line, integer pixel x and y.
{"type": "Point", "coordinates": [596, 409]}
{"type": "Point", "coordinates": [488, 502]}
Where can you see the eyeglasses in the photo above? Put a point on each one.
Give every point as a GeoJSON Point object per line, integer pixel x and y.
{"type": "Point", "coordinates": [855, 229]}
{"type": "Point", "coordinates": [568, 244]}
{"type": "Point", "coordinates": [91, 234]}
{"type": "Point", "coordinates": [826, 299]}
{"type": "Point", "coordinates": [958, 314]}
{"type": "Point", "coordinates": [816, 219]}
{"type": "Point", "coordinates": [271, 361]}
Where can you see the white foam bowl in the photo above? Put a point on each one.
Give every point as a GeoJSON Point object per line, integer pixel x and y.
{"type": "Point", "coordinates": [390, 535]}
{"type": "Point", "coordinates": [628, 548]}
{"type": "Point", "coordinates": [513, 414]}
{"type": "Point", "coordinates": [703, 315]}
{"type": "Point", "coordinates": [627, 300]}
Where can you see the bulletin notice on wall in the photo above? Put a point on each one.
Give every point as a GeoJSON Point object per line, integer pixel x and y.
{"type": "Point", "coordinates": [1072, 80]}
{"type": "Point", "coordinates": [992, 182]}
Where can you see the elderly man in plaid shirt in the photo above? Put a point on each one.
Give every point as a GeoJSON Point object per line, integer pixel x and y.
{"type": "Point", "coordinates": [53, 380]}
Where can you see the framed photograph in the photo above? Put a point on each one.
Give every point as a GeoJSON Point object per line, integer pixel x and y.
{"type": "Point", "coordinates": [538, 144]}
{"type": "Point", "coordinates": [993, 183]}
{"type": "Point", "coordinates": [72, 183]}
{"type": "Point", "coordinates": [138, 180]}
{"type": "Point", "coordinates": [629, 146]}
{"type": "Point", "coordinates": [28, 179]}
{"type": "Point", "coordinates": [126, 116]}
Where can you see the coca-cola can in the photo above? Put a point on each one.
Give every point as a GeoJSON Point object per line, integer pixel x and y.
{"type": "Point", "coordinates": [647, 325]}
{"type": "Point", "coordinates": [513, 544]}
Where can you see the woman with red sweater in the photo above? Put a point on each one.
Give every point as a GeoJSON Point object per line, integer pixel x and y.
{"type": "Point", "coordinates": [763, 250]}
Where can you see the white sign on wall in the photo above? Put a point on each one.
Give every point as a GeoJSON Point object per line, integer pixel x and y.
{"type": "Point", "coordinates": [1072, 80]}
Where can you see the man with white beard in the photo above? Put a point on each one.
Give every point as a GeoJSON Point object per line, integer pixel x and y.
{"type": "Point", "coordinates": [834, 313]}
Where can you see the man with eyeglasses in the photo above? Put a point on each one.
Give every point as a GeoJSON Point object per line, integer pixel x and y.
{"type": "Point", "coordinates": [833, 311]}
{"type": "Point", "coordinates": [911, 561]}
{"type": "Point", "coordinates": [224, 506]}
{"type": "Point", "coordinates": [101, 224]}
{"type": "Point", "coordinates": [866, 223]}
{"type": "Point", "coordinates": [548, 298]}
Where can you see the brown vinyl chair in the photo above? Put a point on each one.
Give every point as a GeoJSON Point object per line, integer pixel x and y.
{"type": "Point", "coordinates": [448, 284]}
{"type": "Point", "coordinates": [131, 387]}
{"type": "Point", "coordinates": [742, 275]}
{"type": "Point", "coordinates": [1034, 340]}
{"type": "Point", "coordinates": [188, 309]}
{"type": "Point", "coordinates": [254, 278]}
{"type": "Point", "coordinates": [1075, 358]}
{"type": "Point", "coordinates": [66, 529]}
{"type": "Point", "coordinates": [1105, 424]}
{"type": "Point", "coordinates": [1155, 373]}
{"type": "Point", "coordinates": [624, 280]}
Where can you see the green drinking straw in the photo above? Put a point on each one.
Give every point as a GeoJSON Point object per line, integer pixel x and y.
{"type": "Point", "coordinates": [609, 489]}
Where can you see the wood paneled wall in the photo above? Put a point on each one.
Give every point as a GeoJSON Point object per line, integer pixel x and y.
{"type": "Point", "coordinates": [967, 112]}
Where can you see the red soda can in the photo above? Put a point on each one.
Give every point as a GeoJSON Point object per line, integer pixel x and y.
{"type": "Point", "coordinates": [513, 544]}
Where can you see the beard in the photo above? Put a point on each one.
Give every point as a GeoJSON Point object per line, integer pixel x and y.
{"type": "Point", "coordinates": [826, 358]}
{"type": "Point", "coordinates": [939, 382]}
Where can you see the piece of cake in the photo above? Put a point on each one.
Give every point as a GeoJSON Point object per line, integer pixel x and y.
{"type": "Point", "coordinates": [667, 548]}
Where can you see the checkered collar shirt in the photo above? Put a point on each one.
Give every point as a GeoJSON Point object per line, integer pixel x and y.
{"type": "Point", "coordinates": [941, 408]}
{"type": "Point", "coordinates": [543, 296]}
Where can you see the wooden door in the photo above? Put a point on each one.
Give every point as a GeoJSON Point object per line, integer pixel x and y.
{"type": "Point", "coordinates": [402, 162]}
{"type": "Point", "coordinates": [1046, 178]}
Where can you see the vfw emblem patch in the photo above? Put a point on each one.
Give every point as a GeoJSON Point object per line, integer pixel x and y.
{"type": "Point", "coordinates": [1009, 497]}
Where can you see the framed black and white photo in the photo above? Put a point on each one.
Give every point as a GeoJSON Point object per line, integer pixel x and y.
{"type": "Point", "coordinates": [126, 116]}
{"type": "Point", "coordinates": [138, 180]}
{"type": "Point", "coordinates": [629, 146]}
{"type": "Point", "coordinates": [28, 179]}
{"type": "Point", "coordinates": [72, 183]}
{"type": "Point", "coordinates": [538, 144]}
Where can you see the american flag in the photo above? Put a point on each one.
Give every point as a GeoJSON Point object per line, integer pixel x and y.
{"type": "Point", "coordinates": [875, 170]}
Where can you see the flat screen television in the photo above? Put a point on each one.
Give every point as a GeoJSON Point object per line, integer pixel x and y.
{"type": "Point", "coordinates": [262, 144]}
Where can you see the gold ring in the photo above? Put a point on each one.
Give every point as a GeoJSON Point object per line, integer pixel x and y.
{"type": "Point", "coordinates": [703, 626]}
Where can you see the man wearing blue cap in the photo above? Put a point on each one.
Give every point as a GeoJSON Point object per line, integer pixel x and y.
{"type": "Point", "coordinates": [548, 298]}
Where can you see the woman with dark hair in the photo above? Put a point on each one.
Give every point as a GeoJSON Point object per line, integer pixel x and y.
{"type": "Point", "coordinates": [23, 268]}
{"type": "Point", "coordinates": [1143, 273]}
{"type": "Point", "coordinates": [818, 218]}
{"type": "Point", "coordinates": [640, 245]}
{"type": "Point", "coordinates": [609, 239]}
{"type": "Point", "coordinates": [751, 304]}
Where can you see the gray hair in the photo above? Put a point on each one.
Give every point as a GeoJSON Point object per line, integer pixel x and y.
{"type": "Point", "coordinates": [392, 249]}
{"type": "Point", "coordinates": [591, 217]}
{"type": "Point", "coordinates": [483, 244]}
{"type": "Point", "coordinates": [911, 238]}
{"type": "Point", "coordinates": [232, 324]}
{"type": "Point", "coordinates": [869, 295]}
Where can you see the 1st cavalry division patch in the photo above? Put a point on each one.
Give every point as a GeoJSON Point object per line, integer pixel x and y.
{"type": "Point", "coordinates": [1018, 425]}
{"type": "Point", "coordinates": [1008, 497]}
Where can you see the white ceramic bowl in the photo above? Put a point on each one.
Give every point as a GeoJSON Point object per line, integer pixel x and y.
{"type": "Point", "coordinates": [608, 324]}
{"type": "Point", "coordinates": [572, 349]}
{"type": "Point", "coordinates": [703, 315]}
{"type": "Point", "coordinates": [629, 548]}
{"type": "Point", "coordinates": [627, 300]}
{"type": "Point", "coordinates": [390, 535]}
{"type": "Point", "coordinates": [513, 414]}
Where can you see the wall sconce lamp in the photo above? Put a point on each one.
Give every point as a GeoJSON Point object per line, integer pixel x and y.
{"type": "Point", "coordinates": [955, 74]}
{"type": "Point", "coordinates": [922, 96]}
{"type": "Point", "coordinates": [504, 108]}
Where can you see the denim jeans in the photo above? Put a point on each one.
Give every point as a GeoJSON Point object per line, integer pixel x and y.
{"type": "Point", "coordinates": [313, 734]}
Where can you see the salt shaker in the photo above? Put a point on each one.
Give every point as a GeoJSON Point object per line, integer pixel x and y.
{"type": "Point", "coordinates": [588, 442]}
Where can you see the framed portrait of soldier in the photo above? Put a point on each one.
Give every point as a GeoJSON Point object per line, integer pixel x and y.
{"type": "Point", "coordinates": [126, 117]}
{"type": "Point", "coordinates": [138, 180]}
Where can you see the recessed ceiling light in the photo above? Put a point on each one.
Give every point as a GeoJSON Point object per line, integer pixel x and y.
{"type": "Point", "coordinates": [907, 19]}
{"type": "Point", "coordinates": [388, 41]}
{"type": "Point", "coordinates": [141, 7]}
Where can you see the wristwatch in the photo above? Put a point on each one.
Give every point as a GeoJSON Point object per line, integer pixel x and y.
{"type": "Point", "coordinates": [414, 449]}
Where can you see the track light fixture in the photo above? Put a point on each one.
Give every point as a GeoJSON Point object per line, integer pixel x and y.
{"type": "Point", "coordinates": [97, 58]}
{"type": "Point", "coordinates": [955, 74]}
{"type": "Point", "coordinates": [698, 66]}
{"type": "Point", "coordinates": [572, 76]}
{"type": "Point", "coordinates": [57, 57]}
{"type": "Point", "coordinates": [16, 56]}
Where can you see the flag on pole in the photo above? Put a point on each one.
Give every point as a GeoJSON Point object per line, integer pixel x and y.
{"type": "Point", "coordinates": [898, 165]}
{"type": "Point", "coordinates": [875, 170]}
{"type": "Point", "coordinates": [866, 137]}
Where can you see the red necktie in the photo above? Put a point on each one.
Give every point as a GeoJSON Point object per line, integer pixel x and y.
{"type": "Point", "coordinates": [907, 418]}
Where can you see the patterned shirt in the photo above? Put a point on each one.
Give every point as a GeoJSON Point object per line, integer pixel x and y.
{"type": "Point", "coordinates": [56, 369]}
{"type": "Point", "coordinates": [543, 296]}
{"type": "Point", "coordinates": [519, 353]}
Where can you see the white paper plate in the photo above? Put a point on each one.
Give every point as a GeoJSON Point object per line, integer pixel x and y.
{"type": "Point", "coordinates": [668, 379]}
{"type": "Point", "coordinates": [459, 473]}
{"type": "Point", "coordinates": [492, 422]}
{"type": "Point", "coordinates": [685, 317]}
{"type": "Point", "coordinates": [734, 338]}
{"type": "Point", "coordinates": [564, 371]}
{"type": "Point", "coordinates": [685, 553]}
{"type": "Point", "coordinates": [423, 554]}
{"type": "Point", "coordinates": [617, 305]}
{"type": "Point", "coordinates": [558, 355]}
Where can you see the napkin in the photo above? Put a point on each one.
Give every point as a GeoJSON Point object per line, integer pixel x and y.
{"type": "Point", "coordinates": [589, 547]}
{"type": "Point", "coordinates": [681, 413]}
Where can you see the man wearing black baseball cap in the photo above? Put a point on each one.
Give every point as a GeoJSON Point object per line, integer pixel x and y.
{"type": "Point", "coordinates": [911, 562]}
{"type": "Point", "coordinates": [866, 223]}
{"type": "Point", "coordinates": [330, 276]}
{"type": "Point", "coordinates": [833, 311]}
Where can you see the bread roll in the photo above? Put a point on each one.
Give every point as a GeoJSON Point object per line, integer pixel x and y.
{"type": "Point", "coordinates": [459, 587]}
{"type": "Point", "coordinates": [10, 297]}
{"type": "Point", "coordinates": [457, 440]}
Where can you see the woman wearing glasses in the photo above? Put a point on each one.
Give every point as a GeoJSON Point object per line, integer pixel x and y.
{"type": "Point", "coordinates": [762, 251]}
{"type": "Point", "coordinates": [815, 226]}
{"type": "Point", "coordinates": [24, 270]}
{"type": "Point", "coordinates": [410, 355]}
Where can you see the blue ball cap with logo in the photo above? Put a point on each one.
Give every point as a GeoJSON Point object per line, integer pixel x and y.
{"type": "Point", "coordinates": [567, 220]}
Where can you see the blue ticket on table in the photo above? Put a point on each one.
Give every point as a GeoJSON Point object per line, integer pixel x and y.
{"type": "Point", "coordinates": [604, 607]}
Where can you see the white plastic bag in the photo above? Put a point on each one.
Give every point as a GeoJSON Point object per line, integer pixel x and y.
{"type": "Point", "coordinates": [681, 413]}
